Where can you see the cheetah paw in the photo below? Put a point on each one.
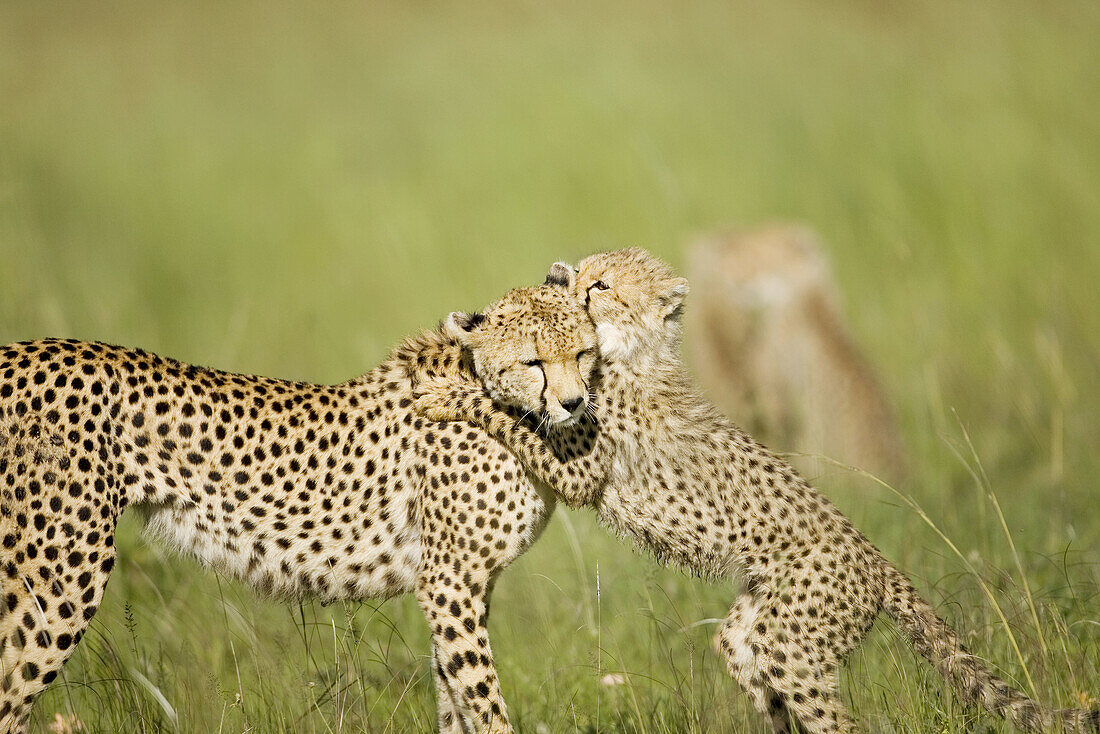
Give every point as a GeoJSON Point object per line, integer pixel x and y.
{"type": "Point", "coordinates": [437, 400]}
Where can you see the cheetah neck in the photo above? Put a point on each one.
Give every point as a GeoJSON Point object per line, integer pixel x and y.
{"type": "Point", "coordinates": [634, 357]}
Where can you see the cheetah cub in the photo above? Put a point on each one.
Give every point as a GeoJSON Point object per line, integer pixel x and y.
{"type": "Point", "coordinates": [665, 468]}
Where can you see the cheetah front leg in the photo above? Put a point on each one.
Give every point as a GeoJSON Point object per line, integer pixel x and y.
{"type": "Point", "coordinates": [457, 610]}
{"type": "Point", "coordinates": [449, 714]}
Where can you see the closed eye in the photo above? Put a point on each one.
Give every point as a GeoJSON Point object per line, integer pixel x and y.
{"type": "Point", "coordinates": [599, 285]}
{"type": "Point", "coordinates": [533, 363]}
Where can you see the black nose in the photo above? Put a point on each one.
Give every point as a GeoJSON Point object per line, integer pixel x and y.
{"type": "Point", "coordinates": [572, 405]}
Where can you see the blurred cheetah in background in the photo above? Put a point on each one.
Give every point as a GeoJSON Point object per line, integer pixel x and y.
{"type": "Point", "coordinates": [770, 348]}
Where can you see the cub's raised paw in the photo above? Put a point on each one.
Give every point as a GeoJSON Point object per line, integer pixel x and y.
{"type": "Point", "coordinates": [439, 400]}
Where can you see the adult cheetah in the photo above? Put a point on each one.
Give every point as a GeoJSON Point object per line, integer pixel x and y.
{"type": "Point", "coordinates": [664, 467]}
{"type": "Point", "coordinates": [338, 491]}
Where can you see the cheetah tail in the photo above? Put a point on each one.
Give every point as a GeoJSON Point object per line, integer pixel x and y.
{"type": "Point", "coordinates": [968, 674]}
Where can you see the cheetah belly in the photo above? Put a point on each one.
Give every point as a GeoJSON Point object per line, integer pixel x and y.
{"type": "Point", "coordinates": [379, 563]}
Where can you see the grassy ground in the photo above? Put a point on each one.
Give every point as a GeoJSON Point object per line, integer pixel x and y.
{"type": "Point", "coordinates": [288, 190]}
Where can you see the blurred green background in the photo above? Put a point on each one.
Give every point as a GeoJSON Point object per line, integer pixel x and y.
{"type": "Point", "coordinates": [288, 189]}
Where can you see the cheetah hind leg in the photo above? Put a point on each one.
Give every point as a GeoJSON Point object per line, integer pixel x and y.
{"type": "Point", "coordinates": [809, 689]}
{"type": "Point", "coordinates": [734, 640]}
{"type": "Point", "coordinates": [45, 616]}
{"type": "Point", "coordinates": [786, 679]}
{"type": "Point", "coordinates": [36, 638]}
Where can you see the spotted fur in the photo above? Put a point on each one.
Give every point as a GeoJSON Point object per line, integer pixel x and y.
{"type": "Point", "coordinates": [663, 467]}
{"type": "Point", "coordinates": [335, 491]}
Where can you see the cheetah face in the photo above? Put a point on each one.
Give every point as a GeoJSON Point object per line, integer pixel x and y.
{"type": "Point", "coordinates": [635, 301]}
{"type": "Point", "coordinates": [535, 350]}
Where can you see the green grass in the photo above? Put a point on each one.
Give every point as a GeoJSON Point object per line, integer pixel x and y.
{"type": "Point", "coordinates": [288, 190]}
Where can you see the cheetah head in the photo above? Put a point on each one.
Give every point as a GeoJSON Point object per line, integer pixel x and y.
{"type": "Point", "coordinates": [635, 301]}
{"type": "Point", "coordinates": [535, 349]}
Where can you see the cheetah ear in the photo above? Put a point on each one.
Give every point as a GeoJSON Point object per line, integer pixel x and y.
{"type": "Point", "coordinates": [562, 275]}
{"type": "Point", "coordinates": [460, 325]}
{"type": "Point", "coordinates": [672, 296]}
